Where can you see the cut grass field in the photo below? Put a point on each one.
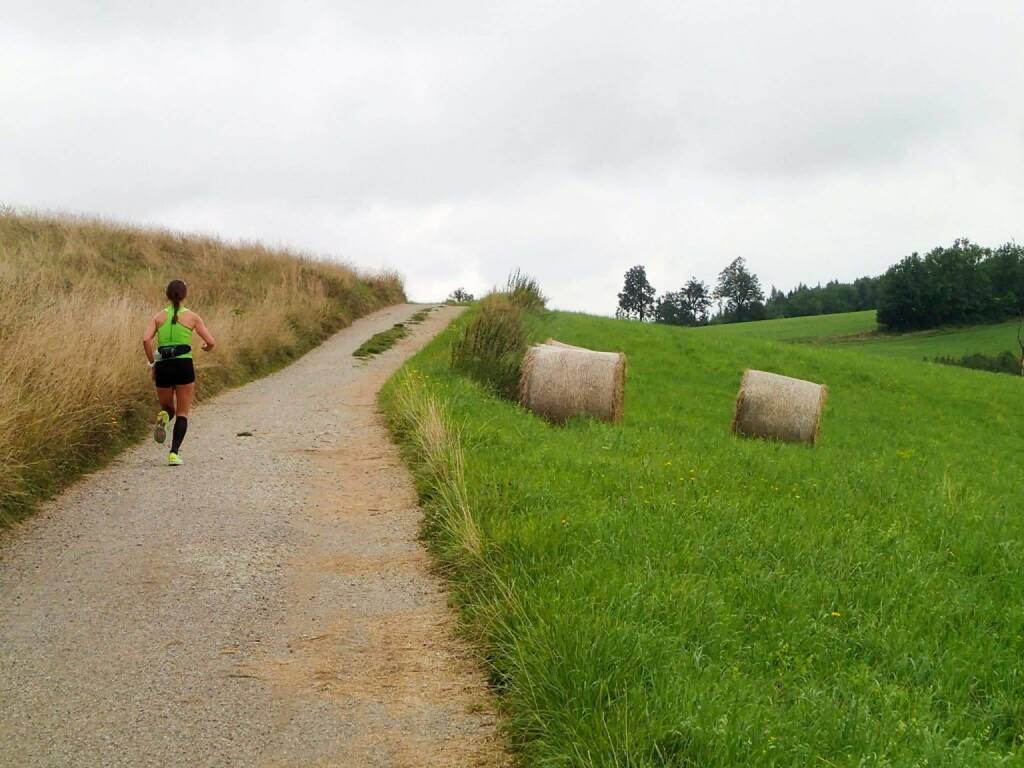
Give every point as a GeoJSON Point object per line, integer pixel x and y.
{"type": "Point", "coordinates": [75, 296]}
{"type": "Point", "coordinates": [662, 593]}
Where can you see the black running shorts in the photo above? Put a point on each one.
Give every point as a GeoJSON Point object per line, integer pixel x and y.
{"type": "Point", "coordinates": [175, 372]}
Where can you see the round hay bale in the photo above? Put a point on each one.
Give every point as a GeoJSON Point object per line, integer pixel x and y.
{"type": "Point", "coordinates": [560, 381]}
{"type": "Point", "coordinates": [778, 407]}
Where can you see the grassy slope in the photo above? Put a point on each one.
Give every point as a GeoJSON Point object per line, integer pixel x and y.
{"type": "Point", "coordinates": [801, 328]}
{"type": "Point", "coordinates": [985, 339]}
{"type": "Point", "coordinates": [663, 593]}
{"type": "Point", "coordinates": [75, 295]}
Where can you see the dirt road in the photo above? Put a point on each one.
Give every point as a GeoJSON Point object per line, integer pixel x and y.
{"type": "Point", "coordinates": [268, 604]}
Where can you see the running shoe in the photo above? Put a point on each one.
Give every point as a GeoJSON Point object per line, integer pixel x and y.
{"type": "Point", "coordinates": [160, 430]}
{"type": "Point", "coordinates": [173, 460]}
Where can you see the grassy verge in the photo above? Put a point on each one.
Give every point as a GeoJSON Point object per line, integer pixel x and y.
{"type": "Point", "coordinates": [665, 594]}
{"type": "Point", "coordinates": [75, 296]}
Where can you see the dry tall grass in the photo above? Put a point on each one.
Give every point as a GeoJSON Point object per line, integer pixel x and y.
{"type": "Point", "coordinates": [75, 295]}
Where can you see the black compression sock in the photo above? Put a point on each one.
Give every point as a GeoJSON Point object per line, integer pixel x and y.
{"type": "Point", "coordinates": [170, 412]}
{"type": "Point", "coordinates": [180, 428]}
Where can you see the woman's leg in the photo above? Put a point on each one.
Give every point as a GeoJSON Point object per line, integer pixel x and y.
{"type": "Point", "coordinates": [184, 394]}
{"type": "Point", "coordinates": [166, 397]}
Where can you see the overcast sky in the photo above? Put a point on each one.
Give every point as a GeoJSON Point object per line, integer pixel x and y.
{"type": "Point", "coordinates": [455, 140]}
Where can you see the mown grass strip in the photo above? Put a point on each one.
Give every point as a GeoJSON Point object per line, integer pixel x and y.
{"type": "Point", "coordinates": [419, 317]}
{"type": "Point", "coordinates": [664, 593]}
{"type": "Point", "coordinates": [381, 342]}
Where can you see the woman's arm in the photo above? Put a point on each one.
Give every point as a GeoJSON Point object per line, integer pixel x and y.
{"type": "Point", "coordinates": [204, 333]}
{"type": "Point", "coordinates": [147, 339]}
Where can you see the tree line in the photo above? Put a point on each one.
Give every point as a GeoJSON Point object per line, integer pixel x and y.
{"type": "Point", "coordinates": [962, 284]}
{"type": "Point", "coordinates": [828, 299]}
{"type": "Point", "coordinates": [737, 297]}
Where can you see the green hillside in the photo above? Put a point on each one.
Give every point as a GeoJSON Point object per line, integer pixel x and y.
{"type": "Point", "coordinates": [956, 342]}
{"type": "Point", "coordinates": [801, 328]}
{"type": "Point", "coordinates": [858, 330]}
{"type": "Point", "coordinates": [662, 593]}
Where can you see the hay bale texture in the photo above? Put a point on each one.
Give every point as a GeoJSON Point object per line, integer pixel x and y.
{"type": "Point", "coordinates": [778, 407]}
{"type": "Point", "coordinates": [560, 381]}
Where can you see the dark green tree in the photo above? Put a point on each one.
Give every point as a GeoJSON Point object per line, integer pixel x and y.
{"type": "Point", "coordinates": [948, 286]}
{"type": "Point", "coordinates": [697, 298]}
{"type": "Point", "coordinates": [636, 300]}
{"type": "Point", "coordinates": [740, 292]}
{"type": "Point", "coordinates": [1005, 272]}
{"type": "Point", "coordinates": [867, 292]}
{"type": "Point", "coordinates": [826, 299]}
{"type": "Point", "coordinates": [668, 310]}
{"type": "Point", "coordinates": [689, 305]}
{"type": "Point", "coordinates": [902, 295]}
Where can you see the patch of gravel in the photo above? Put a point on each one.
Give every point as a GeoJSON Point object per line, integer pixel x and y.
{"type": "Point", "coordinates": [268, 604]}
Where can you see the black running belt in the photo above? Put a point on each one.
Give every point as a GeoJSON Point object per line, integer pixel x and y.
{"type": "Point", "coordinates": [171, 351]}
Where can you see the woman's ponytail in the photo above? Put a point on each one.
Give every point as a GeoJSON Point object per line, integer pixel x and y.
{"type": "Point", "coordinates": [176, 291]}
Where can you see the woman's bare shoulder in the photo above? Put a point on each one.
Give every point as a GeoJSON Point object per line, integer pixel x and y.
{"type": "Point", "coordinates": [189, 317]}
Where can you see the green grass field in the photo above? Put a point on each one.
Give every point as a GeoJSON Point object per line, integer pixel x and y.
{"type": "Point", "coordinates": [662, 593]}
{"type": "Point", "coordinates": [956, 342]}
{"type": "Point", "coordinates": [858, 330]}
{"type": "Point", "coordinates": [801, 328]}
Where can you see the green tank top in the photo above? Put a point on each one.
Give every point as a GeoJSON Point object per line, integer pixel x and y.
{"type": "Point", "coordinates": [174, 333]}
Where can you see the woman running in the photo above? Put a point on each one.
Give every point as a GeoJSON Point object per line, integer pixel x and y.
{"type": "Point", "coordinates": [171, 364]}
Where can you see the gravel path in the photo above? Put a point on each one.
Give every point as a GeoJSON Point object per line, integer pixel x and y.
{"type": "Point", "coordinates": [268, 604]}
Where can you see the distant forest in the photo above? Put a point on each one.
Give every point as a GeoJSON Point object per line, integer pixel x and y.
{"type": "Point", "coordinates": [964, 283]}
{"type": "Point", "coordinates": [826, 299]}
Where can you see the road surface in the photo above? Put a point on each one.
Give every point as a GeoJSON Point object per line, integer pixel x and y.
{"type": "Point", "coordinates": [267, 604]}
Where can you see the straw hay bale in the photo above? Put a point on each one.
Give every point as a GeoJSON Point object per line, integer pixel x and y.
{"type": "Point", "coordinates": [778, 407]}
{"type": "Point", "coordinates": [560, 381]}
